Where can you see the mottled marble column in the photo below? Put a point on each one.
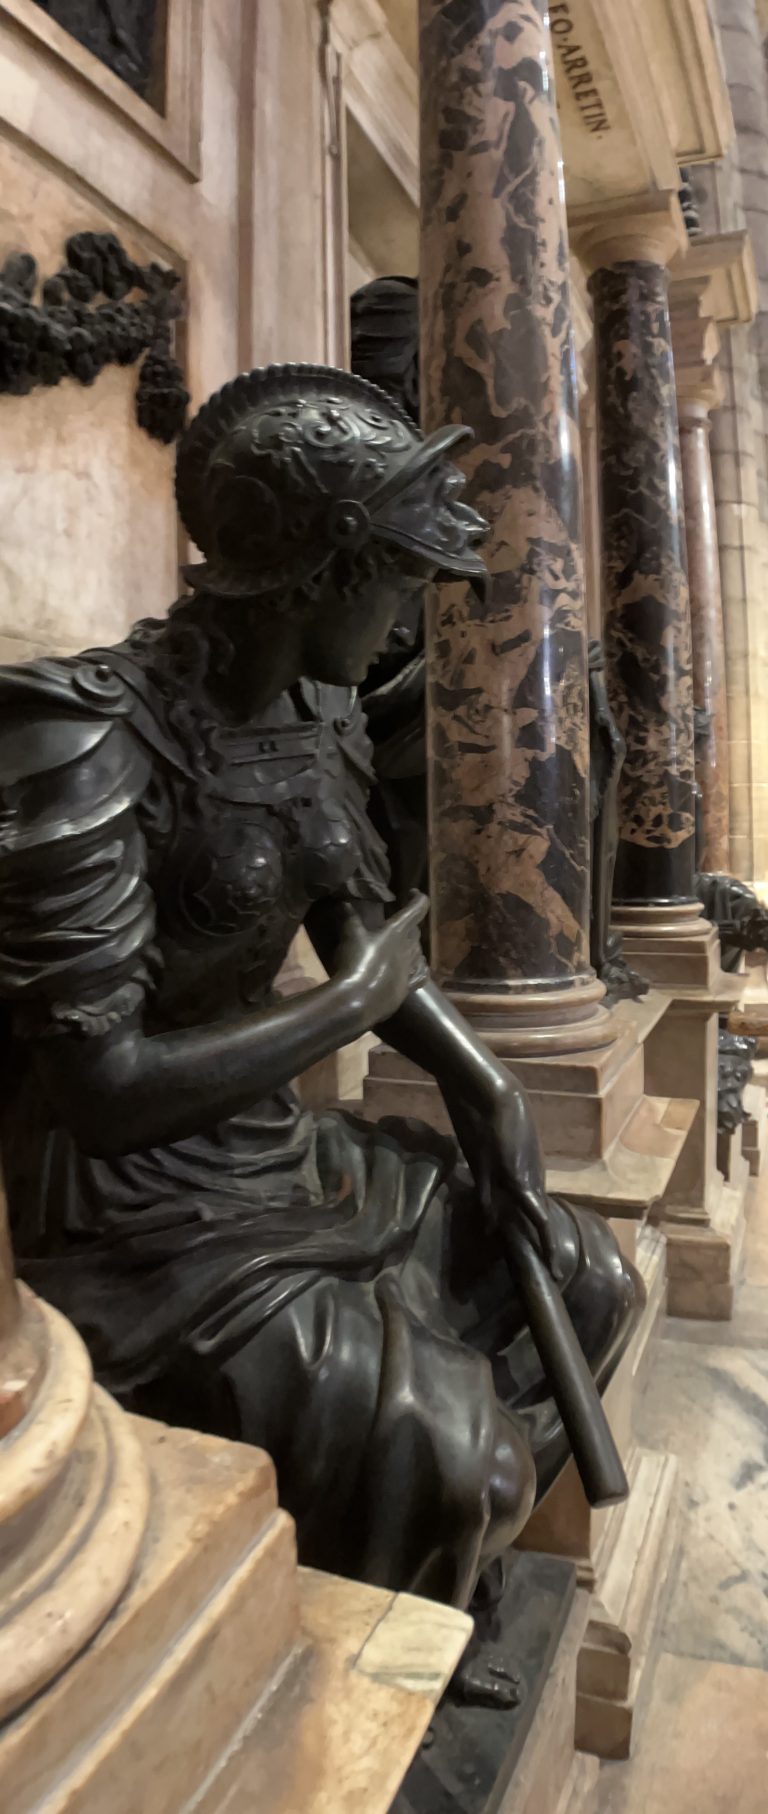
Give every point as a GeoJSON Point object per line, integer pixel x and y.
{"type": "Point", "coordinates": [647, 621]}
{"type": "Point", "coordinates": [709, 687]}
{"type": "Point", "coordinates": [508, 713]}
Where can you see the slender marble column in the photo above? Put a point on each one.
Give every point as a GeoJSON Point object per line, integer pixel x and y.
{"type": "Point", "coordinates": [709, 687]}
{"type": "Point", "coordinates": [647, 621]}
{"type": "Point", "coordinates": [508, 708]}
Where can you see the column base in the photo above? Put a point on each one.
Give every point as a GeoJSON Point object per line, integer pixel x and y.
{"type": "Point", "coordinates": [608, 1146]}
{"type": "Point", "coordinates": [673, 946]}
{"type": "Point", "coordinates": [622, 1555]}
{"type": "Point", "coordinates": [74, 1503]}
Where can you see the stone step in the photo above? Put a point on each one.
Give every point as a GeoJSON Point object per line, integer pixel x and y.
{"type": "Point", "coordinates": [634, 1575]}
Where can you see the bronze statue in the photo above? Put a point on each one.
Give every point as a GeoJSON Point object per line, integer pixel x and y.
{"type": "Point", "coordinates": [172, 810]}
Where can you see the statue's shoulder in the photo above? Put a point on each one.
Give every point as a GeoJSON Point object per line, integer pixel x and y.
{"type": "Point", "coordinates": [80, 688]}
{"type": "Point", "coordinates": [69, 754]}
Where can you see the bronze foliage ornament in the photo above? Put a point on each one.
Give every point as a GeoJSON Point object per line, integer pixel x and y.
{"type": "Point", "coordinates": [100, 308]}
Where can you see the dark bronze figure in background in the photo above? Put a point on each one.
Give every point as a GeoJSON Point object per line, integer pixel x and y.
{"type": "Point", "coordinates": [350, 1296]}
{"type": "Point", "coordinates": [742, 923]}
{"type": "Point", "coordinates": [740, 917]}
{"type": "Point", "coordinates": [735, 1055]}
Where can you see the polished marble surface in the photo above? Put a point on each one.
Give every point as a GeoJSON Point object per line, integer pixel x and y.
{"type": "Point", "coordinates": [704, 1746]}
{"type": "Point", "coordinates": [709, 1406]}
{"type": "Point", "coordinates": [703, 1741]}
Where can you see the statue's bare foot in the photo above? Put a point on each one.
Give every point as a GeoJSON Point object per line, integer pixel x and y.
{"type": "Point", "coordinates": [486, 1681]}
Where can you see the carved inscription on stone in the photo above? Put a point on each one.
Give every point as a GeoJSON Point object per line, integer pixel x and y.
{"type": "Point", "coordinates": [576, 68]}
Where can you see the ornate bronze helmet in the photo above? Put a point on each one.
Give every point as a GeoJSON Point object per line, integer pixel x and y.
{"type": "Point", "coordinates": [287, 466]}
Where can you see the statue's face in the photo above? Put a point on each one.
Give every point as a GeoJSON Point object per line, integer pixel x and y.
{"type": "Point", "coordinates": [345, 632]}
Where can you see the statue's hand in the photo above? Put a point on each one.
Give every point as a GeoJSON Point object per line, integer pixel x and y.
{"type": "Point", "coordinates": [382, 967]}
{"type": "Point", "coordinates": [514, 1182]}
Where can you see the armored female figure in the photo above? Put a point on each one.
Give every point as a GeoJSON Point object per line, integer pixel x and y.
{"type": "Point", "coordinates": [172, 810]}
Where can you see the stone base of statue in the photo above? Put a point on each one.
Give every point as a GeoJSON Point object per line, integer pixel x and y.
{"type": "Point", "coordinates": [624, 1554]}
{"type": "Point", "coordinates": [478, 1759]}
{"type": "Point", "coordinates": [703, 1220]}
{"type": "Point", "coordinates": [157, 1638]}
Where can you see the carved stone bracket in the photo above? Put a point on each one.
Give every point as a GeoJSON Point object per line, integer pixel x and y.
{"type": "Point", "coordinates": [70, 333]}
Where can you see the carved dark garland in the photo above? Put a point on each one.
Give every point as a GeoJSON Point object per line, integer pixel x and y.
{"type": "Point", "coordinates": [71, 333]}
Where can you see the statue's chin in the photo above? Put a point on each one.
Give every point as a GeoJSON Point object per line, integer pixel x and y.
{"type": "Point", "coordinates": [338, 674]}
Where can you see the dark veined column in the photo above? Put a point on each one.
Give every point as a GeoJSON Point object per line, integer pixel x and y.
{"type": "Point", "coordinates": [508, 700]}
{"type": "Point", "coordinates": [647, 621]}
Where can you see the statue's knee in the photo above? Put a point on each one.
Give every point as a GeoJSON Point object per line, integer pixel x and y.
{"type": "Point", "coordinates": [605, 1294]}
{"type": "Point", "coordinates": [512, 1483]}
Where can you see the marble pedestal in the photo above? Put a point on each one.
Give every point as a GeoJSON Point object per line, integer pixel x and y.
{"type": "Point", "coordinates": [155, 1631]}
{"type": "Point", "coordinates": [623, 1555]}
{"type": "Point", "coordinates": [702, 1217]}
